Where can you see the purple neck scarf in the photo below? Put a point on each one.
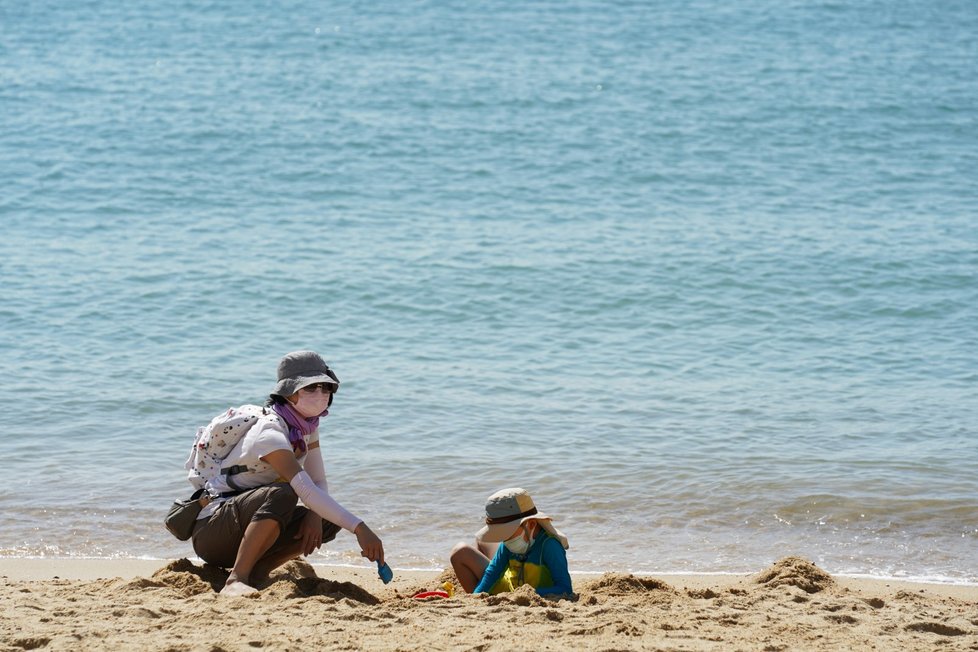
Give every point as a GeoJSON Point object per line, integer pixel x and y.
{"type": "Point", "coordinates": [299, 426]}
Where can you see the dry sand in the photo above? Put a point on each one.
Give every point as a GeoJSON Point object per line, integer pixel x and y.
{"type": "Point", "coordinates": [793, 605]}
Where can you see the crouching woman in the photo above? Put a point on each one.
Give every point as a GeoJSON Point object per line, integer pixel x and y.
{"type": "Point", "coordinates": [276, 464]}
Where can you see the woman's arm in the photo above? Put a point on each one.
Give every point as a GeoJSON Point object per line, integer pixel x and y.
{"type": "Point", "coordinates": [319, 501]}
{"type": "Point", "coordinates": [313, 496]}
{"type": "Point", "coordinates": [311, 529]}
{"type": "Point", "coordinates": [313, 464]}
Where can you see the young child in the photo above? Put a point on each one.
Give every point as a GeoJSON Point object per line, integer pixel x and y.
{"type": "Point", "coordinates": [532, 550]}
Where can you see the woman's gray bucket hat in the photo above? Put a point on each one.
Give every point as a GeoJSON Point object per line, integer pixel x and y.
{"type": "Point", "coordinates": [300, 369]}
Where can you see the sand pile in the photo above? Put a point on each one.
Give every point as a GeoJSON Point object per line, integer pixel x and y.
{"type": "Point", "coordinates": [795, 571]}
{"type": "Point", "coordinates": [626, 589]}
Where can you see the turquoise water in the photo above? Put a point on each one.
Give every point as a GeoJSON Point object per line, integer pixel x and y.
{"type": "Point", "coordinates": [703, 277]}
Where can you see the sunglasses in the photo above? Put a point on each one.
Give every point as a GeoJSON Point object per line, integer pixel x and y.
{"type": "Point", "coordinates": [325, 388]}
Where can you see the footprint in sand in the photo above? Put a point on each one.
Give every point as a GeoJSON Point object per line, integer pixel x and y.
{"type": "Point", "coordinates": [936, 628]}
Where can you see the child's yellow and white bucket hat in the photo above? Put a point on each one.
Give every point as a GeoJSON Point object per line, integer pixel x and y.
{"type": "Point", "coordinates": [507, 509]}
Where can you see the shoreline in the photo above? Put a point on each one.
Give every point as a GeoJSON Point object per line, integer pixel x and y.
{"type": "Point", "coordinates": [32, 569]}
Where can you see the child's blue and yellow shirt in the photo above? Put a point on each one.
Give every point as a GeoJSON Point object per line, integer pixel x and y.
{"type": "Point", "coordinates": [544, 567]}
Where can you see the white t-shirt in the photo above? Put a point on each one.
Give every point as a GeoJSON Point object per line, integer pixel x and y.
{"type": "Point", "coordinates": [266, 436]}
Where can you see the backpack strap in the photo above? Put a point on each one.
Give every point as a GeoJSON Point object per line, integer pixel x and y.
{"type": "Point", "coordinates": [228, 473]}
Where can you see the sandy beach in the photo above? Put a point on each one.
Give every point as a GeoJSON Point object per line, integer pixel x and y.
{"type": "Point", "coordinates": [153, 605]}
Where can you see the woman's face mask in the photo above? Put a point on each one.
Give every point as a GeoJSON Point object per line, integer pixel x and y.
{"type": "Point", "coordinates": [311, 403]}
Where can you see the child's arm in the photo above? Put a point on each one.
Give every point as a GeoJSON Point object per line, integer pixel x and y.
{"type": "Point", "coordinates": [495, 570]}
{"type": "Point", "coordinates": [555, 559]}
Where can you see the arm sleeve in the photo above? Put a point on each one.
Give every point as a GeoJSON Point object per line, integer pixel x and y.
{"type": "Point", "coordinates": [555, 559]}
{"type": "Point", "coordinates": [313, 464]}
{"type": "Point", "coordinates": [495, 570]}
{"type": "Point", "coordinates": [322, 503]}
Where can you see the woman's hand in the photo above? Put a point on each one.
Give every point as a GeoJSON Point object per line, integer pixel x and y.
{"type": "Point", "coordinates": [310, 532]}
{"type": "Point", "coordinates": [371, 546]}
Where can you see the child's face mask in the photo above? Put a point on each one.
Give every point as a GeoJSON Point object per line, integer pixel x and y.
{"type": "Point", "coordinates": [519, 544]}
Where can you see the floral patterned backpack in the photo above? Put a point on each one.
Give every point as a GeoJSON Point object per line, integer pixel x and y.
{"type": "Point", "coordinates": [214, 442]}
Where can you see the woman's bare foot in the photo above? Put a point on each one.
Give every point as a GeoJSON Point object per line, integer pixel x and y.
{"type": "Point", "coordinates": [237, 586]}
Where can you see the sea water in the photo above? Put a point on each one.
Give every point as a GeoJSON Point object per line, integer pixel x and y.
{"type": "Point", "coordinates": [701, 276]}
